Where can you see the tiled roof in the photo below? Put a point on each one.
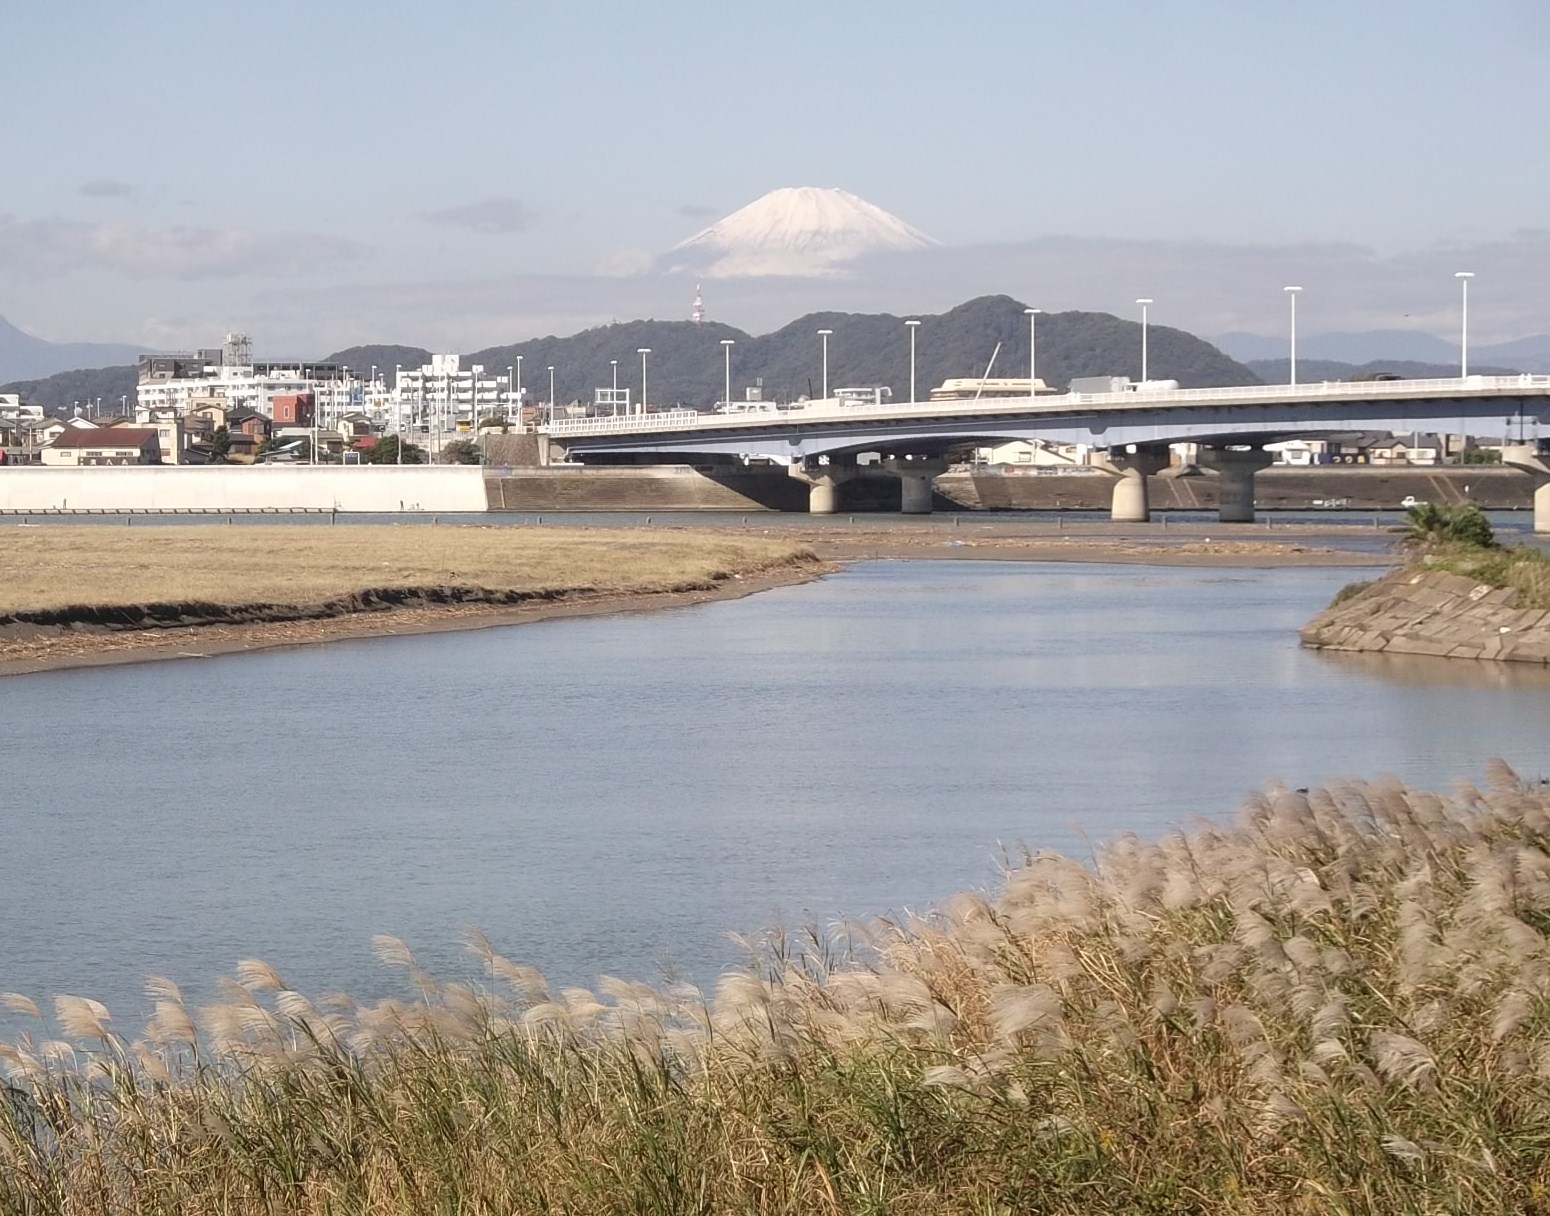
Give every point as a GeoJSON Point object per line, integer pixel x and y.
{"type": "Point", "coordinates": [106, 437]}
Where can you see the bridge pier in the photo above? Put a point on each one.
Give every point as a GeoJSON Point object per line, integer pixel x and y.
{"type": "Point", "coordinates": [1130, 503]}
{"type": "Point", "coordinates": [1528, 458]}
{"type": "Point", "coordinates": [823, 485]}
{"type": "Point", "coordinates": [915, 474]}
{"type": "Point", "coordinates": [1235, 469]}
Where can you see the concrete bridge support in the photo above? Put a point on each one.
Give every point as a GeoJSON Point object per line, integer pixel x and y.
{"type": "Point", "coordinates": [824, 482]}
{"type": "Point", "coordinates": [915, 474]}
{"type": "Point", "coordinates": [1130, 504]}
{"type": "Point", "coordinates": [1235, 469]}
{"type": "Point", "coordinates": [1530, 459]}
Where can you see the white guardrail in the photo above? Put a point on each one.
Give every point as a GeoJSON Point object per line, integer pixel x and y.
{"type": "Point", "coordinates": [1265, 394]}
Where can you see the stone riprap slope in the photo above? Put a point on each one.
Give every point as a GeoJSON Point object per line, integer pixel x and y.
{"type": "Point", "coordinates": [1431, 612]}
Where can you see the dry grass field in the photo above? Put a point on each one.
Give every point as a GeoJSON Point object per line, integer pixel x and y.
{"type": "Point", "coordinates": [60, 566]}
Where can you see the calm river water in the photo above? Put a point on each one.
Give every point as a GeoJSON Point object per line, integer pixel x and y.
{"type": "Point", "coordinates": [613, 795]}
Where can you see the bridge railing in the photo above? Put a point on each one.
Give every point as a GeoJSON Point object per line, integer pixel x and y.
{"type": "Point", "coordinates": [611, 424]}
{"type": "Point", "coordinates": [1335, 390]}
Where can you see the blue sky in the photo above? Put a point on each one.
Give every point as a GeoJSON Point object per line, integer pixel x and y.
{"type": "Point", "coordinates": [475, 172]}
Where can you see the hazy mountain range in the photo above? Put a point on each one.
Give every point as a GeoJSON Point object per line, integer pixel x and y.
{"type": "Point", "coordinates": [24, 357]}
{"type": "Point", "coordinates": [687, 364]}
{"type": "Point", "coordinates": [1358, 349]}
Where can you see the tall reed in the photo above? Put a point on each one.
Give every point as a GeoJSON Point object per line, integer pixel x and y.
{"type": "Point", "coordinates": [1339, 1004]}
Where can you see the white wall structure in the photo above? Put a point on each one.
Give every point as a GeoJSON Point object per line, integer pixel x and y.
{"type": "Point", "coordinates": [377, 489]}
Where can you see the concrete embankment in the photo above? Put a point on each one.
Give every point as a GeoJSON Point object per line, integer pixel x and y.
{"type": "Point", "coordinates": [1431, 612]}
{"type": "Point", "coordinates": [362, 488]}
{"type": "Point", "coordinates": [765, 488]}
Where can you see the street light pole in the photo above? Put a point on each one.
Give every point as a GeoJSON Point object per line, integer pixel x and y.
{"type": "Point", "coordinates": [1463, 276]}
{"type": "Point", "coordinates": [1033, 352]}
{"type": "Point", "coordinates": [615, 399]}
{"type": "Point", "coordinates": [551, 394]}
{"type": "Point", "coordinates": [398, 401]}
{"type": "Point", "coordinates": [726, 391]}
{"type": "Point", "coordinates": [511, 391]}
{"type": "Point", "coordinates": [1144, 302]}
{"type": "Point", "coordinates": [914, 325]}
{"type": "Point", "coordinates": [643, 351]}
{"type": "Point", "coordinates": [824, 334]}
{"type": "Point", "coordinates": [1291, 295]}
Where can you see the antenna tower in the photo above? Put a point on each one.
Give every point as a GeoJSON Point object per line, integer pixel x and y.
{"type": "Point", "coordinates": [697, 314]}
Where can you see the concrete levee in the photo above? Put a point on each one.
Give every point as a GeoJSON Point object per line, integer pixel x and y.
{"type": "Point", "coordinates": [675, 488]}
{"type": "Point", "coordinates": [1282, 489]}
{"type": "Point", "coordinates": [364, 488]}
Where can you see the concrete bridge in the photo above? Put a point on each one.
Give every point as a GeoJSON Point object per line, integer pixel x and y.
{"type": "Point", "coordinates": [820, 441]}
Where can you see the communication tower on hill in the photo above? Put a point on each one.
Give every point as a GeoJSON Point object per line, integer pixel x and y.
{"type": "Point", "coordinates": [697, 314]}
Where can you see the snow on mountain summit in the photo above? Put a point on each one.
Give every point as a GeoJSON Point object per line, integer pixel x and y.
{"type": "Point", "coordinates": [797, 230]}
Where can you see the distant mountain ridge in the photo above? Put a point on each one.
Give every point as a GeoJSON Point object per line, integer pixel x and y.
{"type": "Point", "coordinates": [1309, 371]}
{"type": "Point", "coordinates": [686, 360]}
{"type": "Point", "coordinates": [1525, 354]}
{"type": "Point", "coordinates": [685, 363]}
{"type": "Point", "coordinates": [23, 357]}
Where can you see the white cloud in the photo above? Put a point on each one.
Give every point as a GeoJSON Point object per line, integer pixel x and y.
{"type": "Point", "coordinates": [102, 187]}
{"type": "Point", "coordinates": [50, 248]}
{"type": "Point", "coordinates": [494, 216]}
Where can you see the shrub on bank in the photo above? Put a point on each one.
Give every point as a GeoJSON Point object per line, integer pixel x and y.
{"type": "Point", "coordinates": [1337, 1005]}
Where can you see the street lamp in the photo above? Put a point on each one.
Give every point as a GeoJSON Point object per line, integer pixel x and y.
{"type": "Point", "coordinates": [1463, 276]}
{"type": "Point", "coordinates": [398, 402]}
{"type": "Point", "coordinates": [726, 391]}
{"type": "Point", "coordinates": [614, 363]}
{"type": "Point", "coordinates": [511, 391]}
{"type": "Point", "coordinates": [1291, 295]}
{"type": "Point", "coordinates": [824, 334]}
{"type": "Point", "coordinates": [1033, 352]}
{"type": "Point", "coordinates": [1144, 302]}
{"type": "Point", "coordinates": [519, 389]}
{"type": "Point", "coordinates": [914, 325]}
{"type": "Point", "coordinates": [643, 351]}
{"type": "Point", "coordinates": [551, 394]}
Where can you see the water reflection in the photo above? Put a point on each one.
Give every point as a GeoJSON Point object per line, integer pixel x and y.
{"type": "Point", "coordinates": [615, 794]}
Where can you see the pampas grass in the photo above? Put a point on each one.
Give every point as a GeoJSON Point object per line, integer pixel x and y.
{"type": "Point", "coordinates": [1339, 1004]}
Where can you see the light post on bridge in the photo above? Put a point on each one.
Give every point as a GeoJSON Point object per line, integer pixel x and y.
{"type": "Point", "coordinates": [1144, 301]}
{"type": "Point", "coordinates": [1291, 295]}
{"type": "Point", "coordinates": [726, 389]}
{"type": "Point", "coordinates": [1463, 276]}
{"type": "Point", "coordinates": [615, 398]}
{"type": "Point", "coordinates": [518, 390]}
{"type": "Point", "coordinates": [1033, 352]}
{"type": "Point", "coordinates": [551, 395]}
{"type": "Point", "coordinates": [643, 351]}
{"type": "Point", "coordinates": [398, 402]}
{"type": "Point", "coordinates": [914, 325]}
{"type": "Point", "coordinates": [824, 334]}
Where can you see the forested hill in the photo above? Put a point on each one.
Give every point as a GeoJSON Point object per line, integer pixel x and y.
{"type": "Point", "coordinates": [686, 360]}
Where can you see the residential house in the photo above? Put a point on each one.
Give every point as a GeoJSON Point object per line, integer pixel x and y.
{"type": "Point", "coordinates": [293, 410]}
{"type": "Point", "coordinates": [117, 445]}
{"type": "Point", "coordinates": [248, 430]}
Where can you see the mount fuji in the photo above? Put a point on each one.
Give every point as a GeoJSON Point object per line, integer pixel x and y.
{"type": "Point", "coordinates": [802, 231]}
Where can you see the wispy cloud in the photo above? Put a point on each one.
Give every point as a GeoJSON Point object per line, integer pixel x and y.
{"type": "Point", "coordinates": [49, 248]}
{"type": "Point", "coordinates": [495, 216]}
{"type": "Point", "coordinates": [103, 187]}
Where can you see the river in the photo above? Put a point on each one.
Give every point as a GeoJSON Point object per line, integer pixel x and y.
{"type": "Point", "coordinates": [614, 795]}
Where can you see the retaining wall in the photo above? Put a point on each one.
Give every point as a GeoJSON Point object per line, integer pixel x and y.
{"type": "Point", "coordinates": [280, 487]}
{"type": "Point", "coordinates": [1433, 613]}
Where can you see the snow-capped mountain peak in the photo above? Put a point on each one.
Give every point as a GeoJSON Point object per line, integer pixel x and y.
{"type": "Point", "coordinates": [797, 230]}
